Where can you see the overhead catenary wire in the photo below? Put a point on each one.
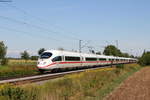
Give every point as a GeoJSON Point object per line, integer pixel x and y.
{"type": "Point", "coordinates": [27, 24]}
{"type": "Point", "coordinates": [41, 28]}
{"type": "Point", "coordinates": [24, 23]}
{"type": "Point", "coordinates": [32, 35]}
{"type": "Point", "coordinates": [5, 1]}
{"type": "Point", "coordinates": [43, 21]}
{"type": "Point", "coordinates": [26, 33]}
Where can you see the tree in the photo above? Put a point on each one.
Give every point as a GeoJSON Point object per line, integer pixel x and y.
{"type": "Point", "coordinates": [25, 55]}
{"type": "Point", "coordinates": [112, 50]}
{"type": "Point", "coordinates": [41, 51]}
{"type": "Point", "coordinates": [125, 55]}
{"type": "Point", "coordinates": [92, 51]}
{"type": "Point", "coordinates": [4, 61]}
{"type": "Point", "coordinates": [145, 59]}
{"type": "Point", "coordinates": [98, 53]}
{"type": "Point", "coordinates": [132, 56]}
{"type": "Point", "coordinates": [3, 50]}
{"type": "Point", "coordinates": [34, 57]}
{"type": "Point", "coordinates": [60, 48]}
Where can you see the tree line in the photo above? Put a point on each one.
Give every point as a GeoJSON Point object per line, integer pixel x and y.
{"type": "Point", "coordinates": [109, 50]}
{"type": "Point", "coordinates": [144, 60]}
{"type": "Point", "coordinates": [26, 56]}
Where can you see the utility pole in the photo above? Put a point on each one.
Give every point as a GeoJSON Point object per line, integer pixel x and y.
{"type": "Point", "coordinates": [91, 49]}
{"type": "Point", "coordinates": [117, 43]}
{"type": "Point", "coordinates": [80, 43]}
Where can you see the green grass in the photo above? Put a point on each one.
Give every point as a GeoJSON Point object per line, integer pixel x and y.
{"type": "Point", "coordinates": [18, 68]}
{"type": "Point", "coordinates": [89, 85]}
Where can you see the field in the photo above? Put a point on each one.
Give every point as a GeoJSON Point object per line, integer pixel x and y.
{"type": "Point", "coordinates": [89, 85]}
{"type": "Point", "coordinates": [18, 68]}
{"type": "Point", "coordinates": [21, 62]}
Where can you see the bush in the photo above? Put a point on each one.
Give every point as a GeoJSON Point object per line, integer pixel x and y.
{"type": "Point", "coordinates": [120, 66]}
{"type": "Point", "coordinates": [4, 61]}
{"type": "Point", "coordinates": [89, 85]}
{"type": "Point", "coordinates": [145, 59]}
{"type": "Point", "coordinates": [34, 57]}
{"type": "Point", "coordinates": [10, 92]}
{"type": "Point", "coordinates": [13, 93]}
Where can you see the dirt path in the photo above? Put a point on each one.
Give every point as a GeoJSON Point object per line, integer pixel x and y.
{"type": "Point", "coordinates": [136, 87]}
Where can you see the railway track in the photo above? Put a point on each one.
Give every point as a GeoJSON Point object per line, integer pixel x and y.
{"type": "Point", "coordinates": [43, 77]}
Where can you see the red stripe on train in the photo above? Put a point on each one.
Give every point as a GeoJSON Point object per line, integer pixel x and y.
{"type": "Point", "coordinates": [75, 63]}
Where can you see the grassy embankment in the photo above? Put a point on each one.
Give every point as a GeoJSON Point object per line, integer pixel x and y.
{"type": "Point", "coordinates": [89, 85]}
{"type": "Point", "coordinates": [18, 68]}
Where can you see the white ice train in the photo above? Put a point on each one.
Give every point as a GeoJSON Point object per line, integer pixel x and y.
{"type": "Point", "coordinates": [56, 59]}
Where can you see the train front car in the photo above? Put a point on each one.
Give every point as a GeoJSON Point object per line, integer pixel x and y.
{"type": "Point", "coordinates": [45, 61]}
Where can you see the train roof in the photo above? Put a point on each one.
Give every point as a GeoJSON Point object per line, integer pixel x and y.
{"type": "Point", "coordinates": [70, 53]}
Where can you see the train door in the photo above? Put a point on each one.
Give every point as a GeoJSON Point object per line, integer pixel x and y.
{"type": "Point", "coordinates": [82, 59]}
{"type": "Point", "coordinates": [61, 65]}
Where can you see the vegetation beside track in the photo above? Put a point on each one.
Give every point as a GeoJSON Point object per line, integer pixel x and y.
{"type": "Point", "coordinates": [18, 68]}
{"type": "Point", "coordinates": [89, 85]}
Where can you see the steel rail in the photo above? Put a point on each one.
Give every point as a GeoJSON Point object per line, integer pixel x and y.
{"type": "Point", "coordinates": [43, 77]}
{"type": "Point", "coordinates": [37, 78]}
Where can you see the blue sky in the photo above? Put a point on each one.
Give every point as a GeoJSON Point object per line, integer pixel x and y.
{"type": "Point", "coordinates": [33, 24]}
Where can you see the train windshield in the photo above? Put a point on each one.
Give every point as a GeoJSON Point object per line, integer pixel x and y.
{"type": "Point", "coordinates": [45, 55]}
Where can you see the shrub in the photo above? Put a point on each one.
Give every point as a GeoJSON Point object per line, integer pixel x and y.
{"type": "Point", "coordinates": [34, 57]}
{"type": "Point", "coordinates": [89, 85]}
{"type": "Point", "coordinates": [120, 66]}
{"type": "Point", "coordinates": [4, 61]}
{"type": "Point", "coordinates": [13, 93]}
{"type": "Point", "coordinates": [10, 92]}
{"type": "Point", "coordinates": [117, 71]}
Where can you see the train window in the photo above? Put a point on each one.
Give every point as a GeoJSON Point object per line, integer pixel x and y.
{"type": "Point", "coordinates": [58, 58]}
{"type": "Point", "coordinates": [113, 59]}
{"type": "Point", "coordinates": [102, 59]}
{"type": "Point", "coordinates": [46, 55]}
{"type": "Point", "coordinates": [110, 59]}
{"type": "Point", "coordinates": [68, 58]}
{"type": "Point", "coordinates": [117, 59]}
{"type": "Point", "coordinates": [91, 59]}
